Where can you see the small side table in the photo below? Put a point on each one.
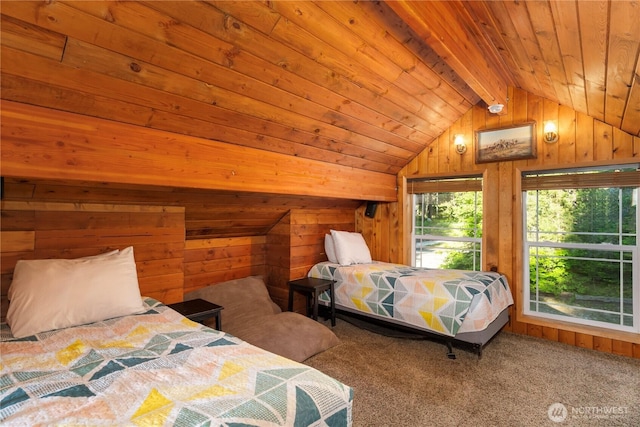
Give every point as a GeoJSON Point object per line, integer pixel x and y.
{"type": "Point", "coordinates": [312, 288]}
{"type": "Point", "coordinates": [199, 310]}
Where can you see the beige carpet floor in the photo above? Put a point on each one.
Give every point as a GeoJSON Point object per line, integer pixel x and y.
{"type": "Point", "coordinates": [411, 382]}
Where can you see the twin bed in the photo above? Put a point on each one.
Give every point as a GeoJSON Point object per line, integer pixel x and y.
{"type": "Point", "coordinates": [151, 366]}
{"type": "Point", "coordinates": [456, 306]}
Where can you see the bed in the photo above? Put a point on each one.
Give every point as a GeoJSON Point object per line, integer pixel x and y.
{"type": "Point", "coordinates": [456, 306]}
{"type": "Point", "coordinates": [149, 367]}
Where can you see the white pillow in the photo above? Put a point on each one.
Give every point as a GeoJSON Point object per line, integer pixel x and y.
{"type": "Point", "coordinates": [51, 294]}
{"type": "Point", "coordinates": [350, 248]}
{"type": "Point", "coordinates": [329, 248]}
{"type": "Point", "coordinates": [106, 254]}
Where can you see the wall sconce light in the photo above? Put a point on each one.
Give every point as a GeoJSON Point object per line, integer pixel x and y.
{"type": "Point", "coordinates": [458, 143]}
{"type": "Point", "coordinates": [550, 132]}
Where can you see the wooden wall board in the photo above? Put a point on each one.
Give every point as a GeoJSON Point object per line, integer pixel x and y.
{"type": "Point", "coordinates": [210, 261]}
{"type": "Point", "coordinates": [72, 230]}
{"type": "Point", "coordinates": [297, 243]}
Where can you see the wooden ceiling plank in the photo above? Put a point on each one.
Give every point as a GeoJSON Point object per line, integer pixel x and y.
{"type": "Point", "coordinates": [623, 55]}
{"type": "Point", "coordinates": [31, 38]}
{"type": "Point", "coordinates": [308, 45]}
{"type": "Point", "coordinates": [493, 30]}
{"type": "Point", "coordinates": [441, 107]}
{"type": "Point", "coordinates": [20, 89]}
{"type": "Point", "coordinates": [329, 27]}
{"type": "Point", "coordinates": [385, 164]}
{"type": "Point", "coordinates": [62, 14]}
{"type": "Point", "coordinates": [86, 81]}
{"type": "Point", "coordinates": [441, 28]}
{"type": "Point", "coordinates": [229, 77]}
{"type": "Point", "coordinates": [229, 99]}
{"type": "Point", "coordinates": [83, 55]}
{"type": "Point", "coordinates": [315, 21]}
{"type": "Point", "coordinates": [594, 31]}
{"type": "Point", "coordinates": [518, 13]}
{"type": "Point", "coordinates": [258, 14]}
{"type": "Point", "coordinates": [565, 16]}
{"type": "Point", "coordinates": [354, 16]}
{"type": "Point", "coordinates": [291, 60]}
{"type": "Point", "coordinates": [428, 58]}
{"type": "Point", "coordinates": [320, 149]}
{"type": "Point", "coordinates": [368, 79]}
{"type": "Point", "coordinates": [631, 115]}
{"type": "Point", "coordinates": [545, 31]}
{"type": "Point", "coordinates": [524, 72]}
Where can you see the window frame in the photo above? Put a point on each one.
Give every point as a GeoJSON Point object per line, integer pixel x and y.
{"type": "Point", "coordinates": [446, 184]}
{"type": "Point", "coordinates": [557, 183]}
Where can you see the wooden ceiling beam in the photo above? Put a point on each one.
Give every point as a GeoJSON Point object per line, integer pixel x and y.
{"type": "Point", "coordinates": [449, 29]}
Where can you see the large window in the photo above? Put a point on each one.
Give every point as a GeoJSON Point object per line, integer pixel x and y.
{"type": "Point", "coordinates": [581, 246]}
{"type": "Point", "coordinates": [447, 223]}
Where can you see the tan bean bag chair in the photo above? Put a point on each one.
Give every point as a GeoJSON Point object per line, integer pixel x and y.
{"type": "Point", "coordinates": [251, 315]}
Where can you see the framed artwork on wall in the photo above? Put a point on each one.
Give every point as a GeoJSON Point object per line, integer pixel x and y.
{"type": "Point", "coordinates": [508, 143]}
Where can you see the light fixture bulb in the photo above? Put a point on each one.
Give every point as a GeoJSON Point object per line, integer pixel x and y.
{"type": "Point", "coordinates": [495, 108]}
{"type": "Point", "coordinates": [550, 132]}
{"type": "Point", "coordinates": [459, 145]}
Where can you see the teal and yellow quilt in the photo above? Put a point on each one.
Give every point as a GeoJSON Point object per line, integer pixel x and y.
{"type": "Point", "coordinates": [443, 301]}
{"type": "Point", "coordinates": [159, 369]}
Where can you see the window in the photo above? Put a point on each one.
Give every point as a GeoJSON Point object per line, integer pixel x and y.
{"type": "Point", "coordinates": [447, 223]}
{"type": "Point", "coordinates": [581, 246]}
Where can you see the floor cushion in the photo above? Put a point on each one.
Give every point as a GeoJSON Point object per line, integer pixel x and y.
{"type": "Point", "coordinates": [251, 315]}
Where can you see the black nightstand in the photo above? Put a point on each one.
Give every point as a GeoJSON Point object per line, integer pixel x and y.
{"type": "Point", "coordinates": [199, 310]}
{"type": "Point", "coordinates": [312, 288]}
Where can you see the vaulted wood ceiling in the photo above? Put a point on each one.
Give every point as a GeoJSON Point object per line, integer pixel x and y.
{"type": "Point", "coordinates": [361, 84]}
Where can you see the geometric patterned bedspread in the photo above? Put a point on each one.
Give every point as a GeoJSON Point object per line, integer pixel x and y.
{"type": "Point", "coordinates": [443, 301]}
{"type": "Point", "coordinates": [159, 369]}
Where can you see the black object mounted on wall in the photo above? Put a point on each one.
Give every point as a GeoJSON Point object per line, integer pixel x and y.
{"type": "Point", "coordinates": [370, 211]}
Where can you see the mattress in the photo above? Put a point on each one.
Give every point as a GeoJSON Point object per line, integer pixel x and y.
{"type": "Point", "coordinates": [445, 302]}
{"type": "Point", "coordinates": [159, 368]}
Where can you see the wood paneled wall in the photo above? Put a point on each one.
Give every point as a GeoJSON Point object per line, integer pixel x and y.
{"type": "Point", "coordinates": [296, 243]}
{"type": "Point", "coordinates": [35, 230]}
{"type": "Point", "coordinates": [168, 265]}
{"type": "Point", "coordinates": [583, 141]}
{"type": "Point", "coordinates": [217, 260]}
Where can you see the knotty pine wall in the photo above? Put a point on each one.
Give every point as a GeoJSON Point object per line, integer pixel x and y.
{"type": "Point", "coordinates": [583, 141]}
{"type": "Point", "coordinates": [210, 261]}
{"type": "Point", "coordinates": [33, 230]}
{"type": "Point", "coordinates": [296, 243]}
{"type": "Point", "coordinates": [168, 264]}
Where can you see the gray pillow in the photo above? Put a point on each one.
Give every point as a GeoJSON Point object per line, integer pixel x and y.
{"type": "Point", "coordinates": [243, 300]}
{"type": "Point", "coordinates": [289, 334]}
{"type": "Point", "coordinates": [251, 315]}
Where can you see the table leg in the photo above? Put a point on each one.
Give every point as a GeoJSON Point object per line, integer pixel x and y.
{"type": "Point", "coordinates": [290, 299]}
{"type": "Point", "coordinates": [333, 305]}
{"type": "Point", "coordinates": [315, 295]}
{"type": "Point", "coordinates": [218, 321]}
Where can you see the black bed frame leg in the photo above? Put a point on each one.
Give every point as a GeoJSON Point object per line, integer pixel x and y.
{"type": "Point", "coordinates": [450, 353]}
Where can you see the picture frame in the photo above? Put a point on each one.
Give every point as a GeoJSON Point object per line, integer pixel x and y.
{"type": "Point", "coordinates": [506, 143]}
